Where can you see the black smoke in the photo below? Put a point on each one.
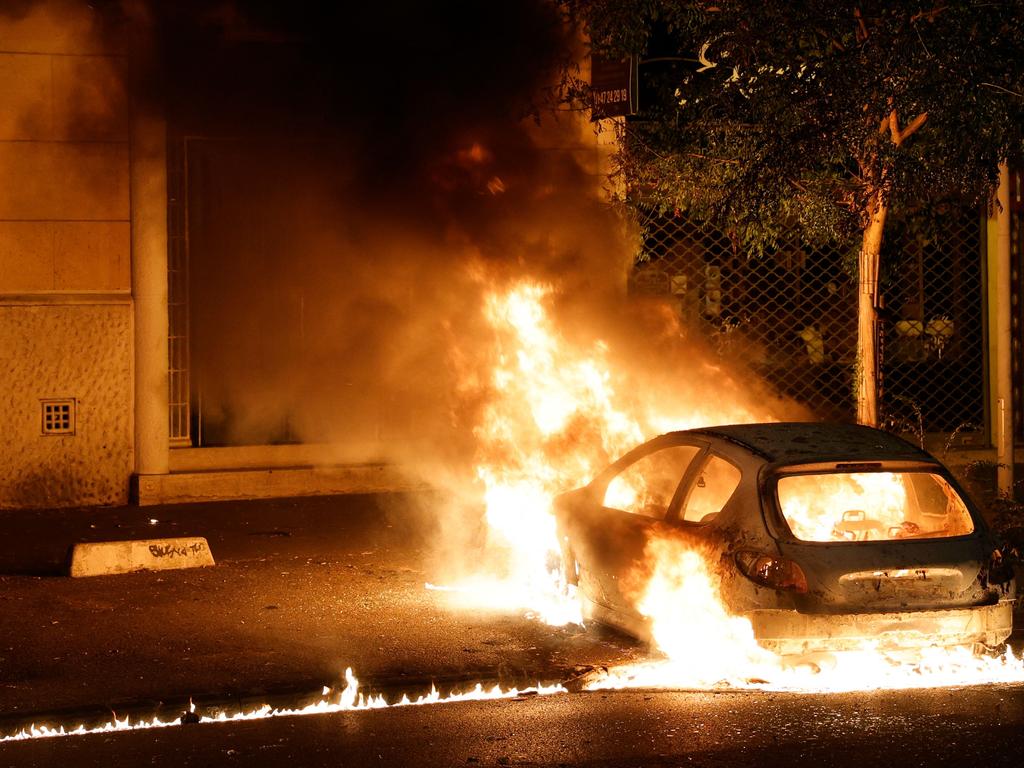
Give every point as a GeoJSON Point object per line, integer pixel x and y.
{"type": "Point", "coordinates": [351, 173]}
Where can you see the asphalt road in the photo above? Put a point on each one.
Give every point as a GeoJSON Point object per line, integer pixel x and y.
{"type": "Point", "coordinates": [970, 727]}
{"type": "Point", "coordinates": [302, 589]}
{"type": "Point", "coordinates": [305, 587]}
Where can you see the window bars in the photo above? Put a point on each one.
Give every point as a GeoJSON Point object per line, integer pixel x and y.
{"type": "Point", "coordinates": [179, 407]}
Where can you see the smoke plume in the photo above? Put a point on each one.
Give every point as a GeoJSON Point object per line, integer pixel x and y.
{"type": "Point", "coordinates": [357, 180]}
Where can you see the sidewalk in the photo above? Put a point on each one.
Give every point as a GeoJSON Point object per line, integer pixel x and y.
{"type": "Point", "coordinates": [302, 589]}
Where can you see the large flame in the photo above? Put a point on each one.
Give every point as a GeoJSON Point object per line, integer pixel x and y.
{"type": "Point", "coordinates": [690, 623]}
{"type": "Point", "coordinates": [559, 412]}
{"type": "Point", "coordinates": [705, 647]}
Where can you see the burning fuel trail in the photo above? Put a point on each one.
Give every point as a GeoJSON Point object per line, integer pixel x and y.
{"type": "Point", "coordinates": [349, 699]}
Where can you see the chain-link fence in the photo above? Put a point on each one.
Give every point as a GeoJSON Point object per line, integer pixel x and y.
{"type": "Point", "coordinates": [1016, 298]}
{"type": "Point", "coordinates": [933, 333]}
{"type": "Point", "coordinates": [791, 315]}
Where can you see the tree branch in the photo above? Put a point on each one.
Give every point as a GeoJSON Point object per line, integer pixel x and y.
{"type": "Point", "coordinates": [911, 128]}
{"type": "Point", "coordinates": [892, 122]}
{"type": "Point", "coordinates": [798, 186]}
{"type": "Point", "coordinates": [835, 43]}
{"type": "Point", "coordinates": [698, 156]}
{"type": "Point", "coordinates": [883, 126]}
{"type": "Point", "coordinates": [996, 87]}
{"type": "Point", "coordinates": [862, 31]}
{"type": "Point", "coordinates": [928, 15]}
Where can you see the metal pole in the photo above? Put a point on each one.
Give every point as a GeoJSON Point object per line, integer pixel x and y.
{"type": "Point", "coordinates": [1004, 377]}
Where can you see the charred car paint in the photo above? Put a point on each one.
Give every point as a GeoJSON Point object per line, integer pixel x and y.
{"type": "Point", "coordinates": [826, 536]}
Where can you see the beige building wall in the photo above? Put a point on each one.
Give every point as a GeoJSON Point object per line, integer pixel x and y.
{"type": "Point", "coordinates": [65, 268]}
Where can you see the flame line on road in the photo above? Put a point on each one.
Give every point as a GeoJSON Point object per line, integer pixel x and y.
{"type": "Point", "coordinates": [651, 676]}
{"type": "Point", "coordinates": [349, 699]}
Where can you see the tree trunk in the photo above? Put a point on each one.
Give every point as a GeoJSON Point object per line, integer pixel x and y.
{"type": "Point", "coordinates": [867, 317]}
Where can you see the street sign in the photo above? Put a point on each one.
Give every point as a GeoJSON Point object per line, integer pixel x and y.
{"type": "Point", "coordinates": [613, 87]}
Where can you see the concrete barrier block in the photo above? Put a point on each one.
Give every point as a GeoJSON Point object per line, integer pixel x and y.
{"type": "Point", "coordinates": [104, 558]}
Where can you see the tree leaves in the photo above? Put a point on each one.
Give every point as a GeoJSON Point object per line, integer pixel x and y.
{"type": "Point", "coordinates": [797, 112]}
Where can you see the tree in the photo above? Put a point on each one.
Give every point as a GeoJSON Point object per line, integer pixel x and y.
{"type": "Point", "coordinates": [817, 114]}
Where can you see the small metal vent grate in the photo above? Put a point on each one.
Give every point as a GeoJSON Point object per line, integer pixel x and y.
{"type": "Point", "coordinates": [58, 416]}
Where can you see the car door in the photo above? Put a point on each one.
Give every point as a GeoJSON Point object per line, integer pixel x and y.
{"type": "Point", "coordinates": [627, 504]}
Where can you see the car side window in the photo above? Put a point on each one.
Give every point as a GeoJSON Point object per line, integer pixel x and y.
{"type": "Point", "coordinates": [646, 486]}
{"type": "Point", "coordinates": [710, 490]}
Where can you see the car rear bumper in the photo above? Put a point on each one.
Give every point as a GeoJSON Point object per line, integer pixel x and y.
{"type": "Point", "coordinates": [789, 632]}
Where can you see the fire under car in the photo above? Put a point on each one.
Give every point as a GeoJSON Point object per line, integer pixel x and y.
{"type": "Point", "coordinates": [827, 537]}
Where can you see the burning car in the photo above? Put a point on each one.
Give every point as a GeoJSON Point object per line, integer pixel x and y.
{"type": "Point", "coordinates": [827, 537]}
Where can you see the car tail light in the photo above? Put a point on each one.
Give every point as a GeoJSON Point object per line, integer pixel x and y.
{"type": "Point", "coordinates": [771, 571]}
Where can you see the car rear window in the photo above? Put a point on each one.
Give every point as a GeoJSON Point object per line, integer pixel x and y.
{"type": "Point", "coordinates": [872, 506]}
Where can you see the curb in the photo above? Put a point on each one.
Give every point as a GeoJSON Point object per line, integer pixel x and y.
{"type": "Point", "coordinates": [282, 482]}
{"type": "Point", "coordinates": [106, 558]}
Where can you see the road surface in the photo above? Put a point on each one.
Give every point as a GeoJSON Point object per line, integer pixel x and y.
{"type": "Point", "coordinates": [970, 727]}
{"type": "Point", "coordinates": [304, 588]}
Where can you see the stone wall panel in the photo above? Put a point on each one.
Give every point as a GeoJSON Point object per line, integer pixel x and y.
{"type": "Point", "coordinates": [54, 26]}
{"type": "Point", "coordinates": [26, 256]}
{"type": "Point", "coordinates": [89, 99]}
{"type": "Point", "coordinates": [69, 181]}
{"type": "Point", "coordinates": [26, 87]}
{"type": "Point", "coordinates": [92, 256]}
{"type": "Point", "coordinates": [81, 351]}
{"type": "Point", "coordinates": [69, 256]}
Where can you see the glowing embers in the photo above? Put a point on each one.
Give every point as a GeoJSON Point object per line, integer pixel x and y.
{"type": "Point", "coordinates": [347, 700]}
{"type": "Point", "coordinates": [871, 506]}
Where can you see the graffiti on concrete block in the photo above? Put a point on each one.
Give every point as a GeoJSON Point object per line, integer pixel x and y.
{"type": "Point", "coordinates": [176, 550]}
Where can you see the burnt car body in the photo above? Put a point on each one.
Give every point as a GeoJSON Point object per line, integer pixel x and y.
{"type": "Point", "coordinates": [825, 536]}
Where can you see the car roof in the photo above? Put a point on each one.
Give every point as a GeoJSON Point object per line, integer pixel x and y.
{"type": "Point", "coordinates": [805, 442]}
